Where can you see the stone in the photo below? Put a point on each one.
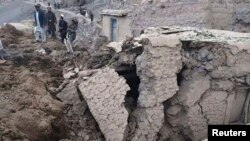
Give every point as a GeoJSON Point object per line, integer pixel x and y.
{"type": "Point", "coordinates": [241, 66]}
{"type": "Point", "coordinates": [11, 46]}
{"type": "Point", "coordinates": [69, 95]}
{"type": "Point", "coordinates": [222, 72]}
{"type": "Point", "coordinates": [149, 121]}
{"type": "Point", "coordinates": [230, 58]}
{"type": "Point", "coordinates": [248, 79]}
{"type": "Point", "coordinates": [117, 46]}
{"type": "Point", "coordinates": [193, 89]}
{"type": "Point", "coordinates": [2, 61]}
{"type": "Point", "coordinates": [222, 85]}
{"type": "Point", "coordinates": [86, 73]}
{"type": "Point", "coordinates": [174, 110]}
{"type": "Point", "coordinates": [209, 67]}
{"type": "Point", "coordinates": [76, 70]}
{"type": "Point", "coordinates": [210, 56]}
{"type": "Point", "coordinates": [203, 53]}
{"type": "Point", "coordinates": [215, 100]}
{"type": "Point", "coordinates": [165, 40]}
{"type": "Point", "coordinates": [195, 122]}
{"type": "Point", "coordinates": [69, 75]}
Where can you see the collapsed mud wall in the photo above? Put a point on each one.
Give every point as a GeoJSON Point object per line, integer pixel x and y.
{"type": "Point", "coordinates": [157, 85]}
{"type": "Point", "coordinates": [188, 79]}
{"type": "Point", "coordinates": [212, 81]}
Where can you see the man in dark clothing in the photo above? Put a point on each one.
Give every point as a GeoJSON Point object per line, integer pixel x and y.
{"type": "Point", "coordinates": [72, 30]}
{"type": "Point", "coordinates": [91, 16]}
{"type": "Point", "coordinates": [55, 6]}
{"type": "Point", "coordinates": [39, 16]}
{"type": "Point", "coordinates": [83, 11]}
{"type": "Point", "coordinates": [51, 19]}
{"type": "Point", "coordinates": [39, 24]}
{"type": "Point", "coordinates": [71, 35]}
{"type": "Point", "coordinates": [87, 13]}
{"type": "Point", "coordinates": [63, 26]}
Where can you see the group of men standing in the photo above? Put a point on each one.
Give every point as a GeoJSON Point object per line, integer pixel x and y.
{"type": "Point", "coordinates": [45, 24]}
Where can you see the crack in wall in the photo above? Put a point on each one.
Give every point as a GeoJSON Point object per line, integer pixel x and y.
{"type": "Point", "coordinates": [203, 114]}
{"type": "Point", "coordinates": [226, 101]}
{"type": "Point", "coordinates": [79, 93]}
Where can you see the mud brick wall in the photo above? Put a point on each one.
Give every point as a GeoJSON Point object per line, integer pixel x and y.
{"type": "Point", "coordinates": [104, 93]}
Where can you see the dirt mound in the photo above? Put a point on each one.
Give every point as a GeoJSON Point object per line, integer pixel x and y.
{"type": "Point", "coordinates": [27, 110]}
{"type": "Point", "coordinates": [9, 35]}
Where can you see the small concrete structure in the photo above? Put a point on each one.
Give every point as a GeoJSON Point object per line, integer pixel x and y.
{"type": "Point", "coordinates": [116, 24]}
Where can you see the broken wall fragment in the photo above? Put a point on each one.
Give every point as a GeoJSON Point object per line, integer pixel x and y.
{"type": "Point", "coordinates": [104, 93]}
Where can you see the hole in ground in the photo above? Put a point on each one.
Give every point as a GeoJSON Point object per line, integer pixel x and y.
{"type": "Point", "coordinates": [129, 73]}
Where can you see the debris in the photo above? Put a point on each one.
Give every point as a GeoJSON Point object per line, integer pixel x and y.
{"type": "Point", "coordinates": [9, 35]}
{"type": "Point", "coordinates": [68, 45]}
{"type": "Point", "coordinates": [87, 73]}
{"type": "Point", "coordinates": [117, 46]}
{"type": "Point", "coordinates": [1, 45]}
{"type": "Point", "coordinates": [248, 80]}
{"type": "Point", "coordinates": [2, 61]}
{"type": "Point", "coordinates": [1, 52]}
{"type": "Point", "coordinates": [107, 108]}
{"type": "Point", "coordinates": [69, 75]}
{"type": "Point", "coordinates": [41, 51]}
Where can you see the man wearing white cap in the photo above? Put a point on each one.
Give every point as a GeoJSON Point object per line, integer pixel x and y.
{"type": "Point", "coordinates": [63, 26]}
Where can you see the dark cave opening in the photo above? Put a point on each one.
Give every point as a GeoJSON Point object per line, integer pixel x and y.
{"type": "Point", "coordinates": [180, 77]}
{"type": "Point", "coordinates": [129, 73]}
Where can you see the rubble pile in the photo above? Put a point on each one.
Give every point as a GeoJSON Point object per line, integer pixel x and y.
{"type": "Point", "coordinates": [189, 78]}
{"type": "Point", "coordinates": [211, 72]}
{"type": "Point", "coordinates": [82, 125]}
{"type": "Point", "coordinates": [167, 84]}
